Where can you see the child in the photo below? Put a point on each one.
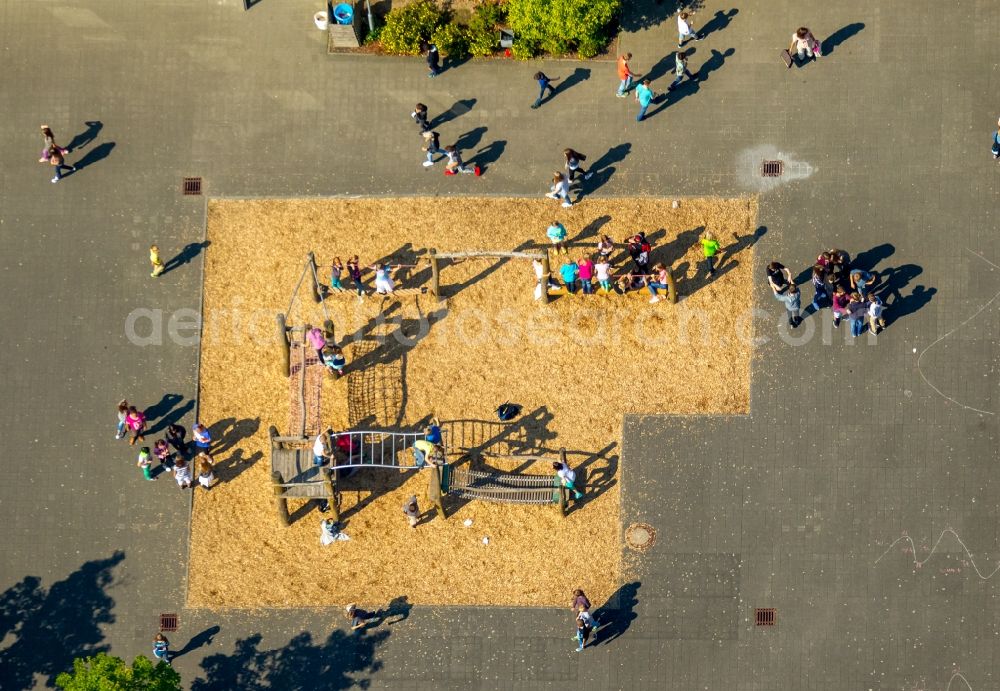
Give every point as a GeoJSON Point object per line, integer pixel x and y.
{"type": "Point", "coordinates": [412, 511]}
{"type": "Point", "coordinates": [569, 272]}
{"type": "Point", "coordinates": [603, 271]}
{"type": "Point", "coordinates": [839, 304]}
{"type": "Point", "coordinates": [875, 319]}
{"type": "Point", "coordinates": [333, 357]}
{"type": "Point", "coordinates": [586, 269]}
{"type": "Point", "coordinates": [857, 311]}
{"type": "Point", "coordinates": [182, 474]}
{"type": "Point", "coordinates": [358, 616]}
{"type": "Point", "coordinates": [567, 476]}
{"type": "Point", "coordinates": [433, 59]}
{"type": "Point", "coordinates": [804, 44]}
{"type": "Point", "coordinates": [818, 280]}
{"type": "Point", "coordinates": [573, 161]}
{"type": "Point", "coordinates": [605, 247]}
{"type": "Point", "coordinates": [710, 247]}
{"type": "Point", "coordinates": [57, 162]}
{"type": "Point", "coordinates": [320, 446]}
{"type": "Point", "coordinates": [455, 162]}
{"type": "Point", "coordinates": [354, 271]}
{"type": "Point", "coordinates": [556, 233]}
{"type": "Point", "coordinates": [154, 259]}
{"type": "Point", "coordinates": [793, 303]}
{"type": "Point", "coordinates": [162, 452]}
{"type": "Point", "coordinates": [661, 282]}
{"type": "Point", "coordinates": [146, 463]}
{"type": "Point", "coordinates": [543, 84]}
{"type": "Point", "coordinates": [685, 29]}
{"type": "Point", "coordinates": [432, 432]}
{"type": "Point", "coordinates": [317, 340]}
{"type": "Point", "coordinates": [202, 437]}
{"type": "Point", "coordinates": [175, 437]}
{"type": "Point", "coordinates": [161, 648]}
{"type": "Point", "coordinates": [560, 189]}
{"type": "Point", "coordinates": [136, 422]}
{"type": "Point", "coordinates": [625, 283]}
{"type": "Point", "coordinates": [328, 532]}
{"type": "Point", "coordinates": [424, 451]}
{"type": "Point", "coordinates": [383, 278]}
{"type": "Point", "coordinates": [582, 633]}
{"type": "Point", "coordinates": [625, 75]}
{"type": "Point", "coordinates": [336, 271]}
{"type": "Point", "coordinates": [122, 412]}
{"type": "Point", "coordinates": [432, 145]}
{"type": "Point", "coordinates": [50, 143]}
{"type": "Point", "coordinates": [206, 470]}
{"type": "Point", "coordinates": [996, 142]}
{"type": "Point", "coordinates": [680, 70]}
{"type": "Point", "coordinates": [419, 116]}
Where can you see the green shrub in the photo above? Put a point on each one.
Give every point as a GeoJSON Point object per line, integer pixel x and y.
{"type": "Point", "coordinates": [484, 29]}
{"type": "Point", "coordinates": [560, 26]}
{"type": "Point", "coordinates": [409, 26]}
{"type": "Point", "coordinates": [452, 41]}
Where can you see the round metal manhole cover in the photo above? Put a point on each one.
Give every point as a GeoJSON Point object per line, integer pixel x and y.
{"type": "Point", "coordinates": [640, 536]}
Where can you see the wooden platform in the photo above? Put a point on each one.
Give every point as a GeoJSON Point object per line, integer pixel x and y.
{"type": "Point", "coordinates": [297, 468]}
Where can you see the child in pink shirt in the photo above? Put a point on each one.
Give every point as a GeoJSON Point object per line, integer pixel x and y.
{"type": "Point", "coordinates": [586, 268]}
{"type": "Point", "coordinates": [136, 422]}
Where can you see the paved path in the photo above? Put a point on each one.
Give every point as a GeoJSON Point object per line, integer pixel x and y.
{"type": "Point", "coordinates": [794, 507]}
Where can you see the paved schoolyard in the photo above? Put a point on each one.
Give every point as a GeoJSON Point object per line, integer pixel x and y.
{"type": "Point", "coordinates": [801, 506]}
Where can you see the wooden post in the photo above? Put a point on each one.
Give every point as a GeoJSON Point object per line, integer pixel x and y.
{"type": "Point", "coordinates": [562, 500]}
{"type": "Point", "coordinates": [671, 287]}
{"type": "Point", "coordinates": [434, 490]}
{"type": "Point", "coordinates": [328, 333]}
{"type": "Point", "coordinates": [545, 278]}
{"type": "Point", "coordinates": [317, 290]}
{"type": "Point", "coordinates": [330, 482]}
{"type": "Point", "coordinates": [435, 274]}
{"type": "Point", "coordinates": [280, 503]}
{"type": "Point", "coordinates": [285, 345]}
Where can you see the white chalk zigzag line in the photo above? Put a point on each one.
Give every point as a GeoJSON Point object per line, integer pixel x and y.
{"type": "Point", "coordinates": [975, 314]}
{"type": "Point", "coordinates": [920, 562]}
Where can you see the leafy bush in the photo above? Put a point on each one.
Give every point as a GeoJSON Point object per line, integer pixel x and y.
{"type": "Point", "coordinates": [452, 41]}
{"type": "Point", "coordinates": [409, 26]}
{"type": "Point", "coordinates": [560, 26]}
{"type": "Point", "coordinates": [114, 674]}
{"type": "Point", "coordinates": [484, 29]}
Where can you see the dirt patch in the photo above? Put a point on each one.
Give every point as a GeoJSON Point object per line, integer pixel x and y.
{"type": "Point", "coordinates": [576, 366]}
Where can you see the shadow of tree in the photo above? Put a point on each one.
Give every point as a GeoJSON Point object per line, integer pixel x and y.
{"type": "Point", "coordinates": [342, 661]}
{"type": "Point", "coordinates": [42, 631]}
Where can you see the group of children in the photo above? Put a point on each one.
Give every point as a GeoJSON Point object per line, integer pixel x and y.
{"type": "Point", "coordinates": [384, 273]}
{"type": "Point", "coordinates": [432, 146]}
{"type": "Point", "coordinates": [848, 291]}
{"type": "Point", "coordinates": [172, 451]}
{"type": "Point", "coordinates": [329, 353]}
{"type": "Point", "coordinates": [589, 269]}
{"type": "Point", "coordinates": [585, 621]}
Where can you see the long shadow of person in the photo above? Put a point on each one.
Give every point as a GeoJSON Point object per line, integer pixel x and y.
{"type": "Point", "coordinates": [839, 36]}
{"type": "Point", "coordinates": [190, 251]}
{"type": "Point", "coordinates": [470, 139]}
{"type": "Point", "coordinates": [162, 413]}
{"type": "Point", "coordinates": [580, 74]}
{"type": "Point", "coordinates": [459, 108]}
{"type": "Point", "coordinates": [869, 259]}
{"type": "Point", "coordinates": [398, 607]}
{"type": "Point", "coordinates": [202, 639]}
{"type": "Point", "coordinates": [691, 87]}
{"type": "Point", "coordinates": [88, 135]}
{"type": "Point", "coordinates": [603, 169]}
{"type": "Point", "coordinates": [908, 304]}
{"type": "Point", "coordinates": [489, 154]}
{"type": "Point", "coordinates": [719, 22]}
{"type": "Point", "coordinates": [96, 154]}
{"type": "Point", "coordinates": [617, 614]}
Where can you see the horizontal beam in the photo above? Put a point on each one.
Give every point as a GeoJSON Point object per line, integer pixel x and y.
{"type": "Point", "coordinates": [494, 255]}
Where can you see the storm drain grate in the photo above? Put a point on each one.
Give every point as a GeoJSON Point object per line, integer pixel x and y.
{"type": "Point", "coordinates": [766, 617]}
{"type": "Point", "coordinates": [168, 622]}
{"type": "Point", "coordinates": [192, 186]}
{"type": "Point", "coordinates": [771, 169]}
{"type": "Point", "coordinates": [640, 536]}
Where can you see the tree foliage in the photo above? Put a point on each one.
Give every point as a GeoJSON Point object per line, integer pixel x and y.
{"type": "Point", "coordinates": [105, 672]}
{"type": "Point", "coordinates": [560, 26]}
{"type": "Point", "coordinates": [407, 27]}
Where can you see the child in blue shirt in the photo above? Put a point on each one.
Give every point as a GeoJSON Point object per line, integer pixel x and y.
{"type": "Point", "coordinates": [543, 84]}
{"type": "Point", "coordinates": [569, 272]}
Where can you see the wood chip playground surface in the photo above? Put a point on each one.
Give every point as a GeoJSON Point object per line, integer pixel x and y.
{"type": "Point", "coordinates": [576, 366]}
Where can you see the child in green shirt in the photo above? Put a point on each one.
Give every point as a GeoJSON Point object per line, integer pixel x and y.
{"type": "Point", "coordinates": [710, 246]}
